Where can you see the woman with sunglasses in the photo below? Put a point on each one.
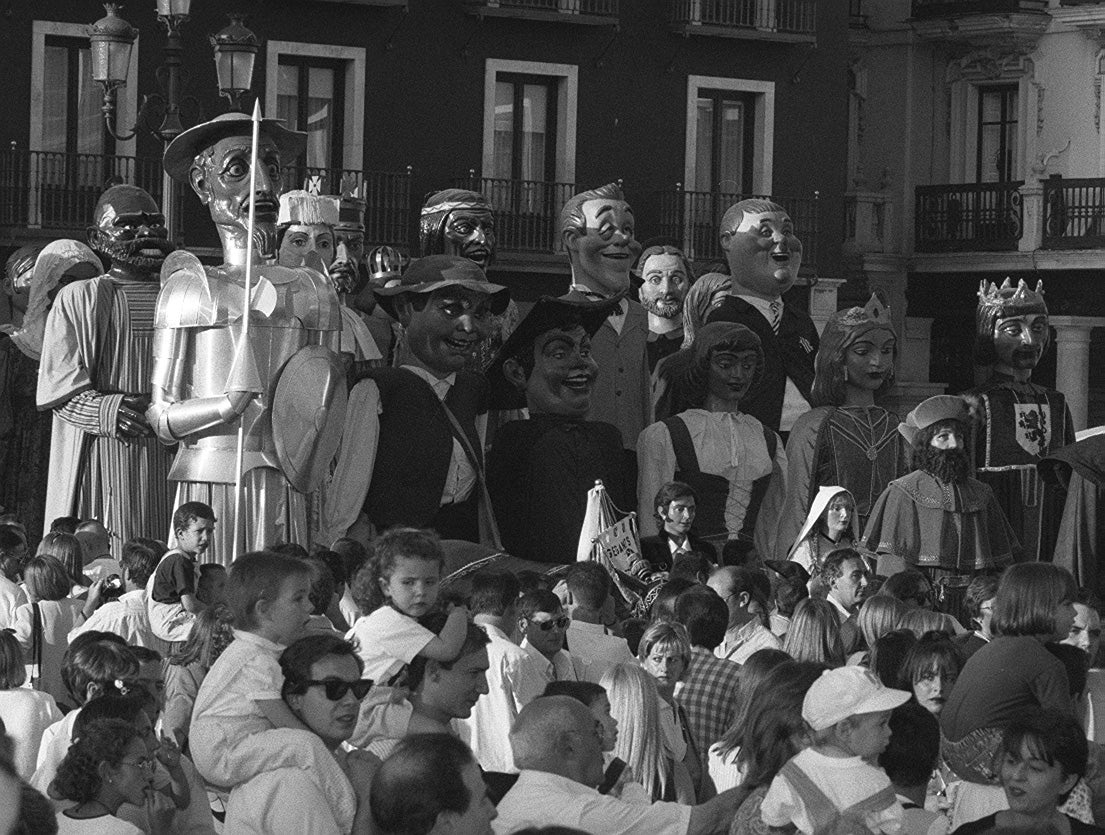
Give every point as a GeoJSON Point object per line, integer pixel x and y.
{"type": "Point", "coordinates": [107, 766]}
{"type": "Point", "coordinates": [323, 687]}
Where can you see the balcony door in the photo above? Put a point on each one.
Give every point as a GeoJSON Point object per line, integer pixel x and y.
{"type": "Point", "coordinates": [724, 142]}
{"type": "Point", "coordinates": [997, 134]}
{"type": "Point", "coordinates": [310, 98]}
{"type": "Point", "coordinates": [524, 154]}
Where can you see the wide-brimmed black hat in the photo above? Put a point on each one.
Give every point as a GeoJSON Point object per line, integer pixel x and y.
{"type": "Point", "coordinates": [436, 271]}
{"type": "Point", "coordinates": [546, 314]}
{"type": "Point", "coordinates": [183, 150]}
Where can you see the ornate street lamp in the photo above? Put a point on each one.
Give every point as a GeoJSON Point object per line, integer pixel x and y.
{"type": "Point", "coordinates": [112, 41]}
{"type": "Point", "coordinates": [235, 50]}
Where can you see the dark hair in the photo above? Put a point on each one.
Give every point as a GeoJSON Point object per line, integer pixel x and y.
{"type": "Point", "coordinates": [139, 561]}
{"type": "Point", "coordinates": [931, 650]}
{"type": "Point", "coordinates": [257, 576]}
{"type": "Point", "coordinates": [663, 605]}
{"type": "Point", "coordinates": [336, 565]}
{"type": "Point", "coordinates": [65, 524]}
{"type": "Point", "coordinates": [46, 578]}
{"type": "Point", "coordinates": [422, 778]}
{"type": "Point", "coordinates": [68, 550]}
{"type": "Point", "coordinates": [353, 556]}
{"type": "Point", "coordinates": [102, 741]}
{"type": "Point", "coordinates": [753, 671]}
{"type": "Point", "coordinates": [493, 592]}
{"type": "Point", "coordinates": [587, 692]}
{"type": "Point", "coordinates": [914, 746]}
{"type": "Point", "coordinates": [188, 513]}
{"type": "Point", "coordinates": [633, 629]}
{"type": "Point", "coordinates": [538, 601]}
{"type": "Point", "coordinates": [385, 551]}
{"type": "Point", "coordinates": [705, 615]}
{"type": "Point", "coordinates": [982, 587]}
{"type": "Point", "coordinates": [212, 632]}
{"type": "Point", "coordinates": [832, 567]}
{"type": "Point", "coordinates": [296, 661]}
{"type": "Point", "coordinates": [158, 547]}
{"type": "Point", "coordinates": [1054, 737]}
{"type": "Point", "coordinates": [589, 584]}
{"type": "Point", "coordinates": [96, 658]}
{"type": "Point", "coordinates": [667, 494]}
{"type": "Point", "coordinates": [111, 706]}
{"type": "Point", "coordinates": [690, 565]}
{"type": "Point", "coordinates": [889, 653]}
{"type": "Point", "coordinates": [1029, 596]}
{"type": "Point", "coordinates": [789, 592]}
{"type": "Point", "coordinates": [290, 549]}
{"type": "Point", "coordinates": [474, 640]}
{"type": "Point", "coordinates": [921, 447]}
{"type": "Point", "coordinates": [529, 580]}
{"type": "Point", "coordinates": [323, 585]}
{"type": "Point", "coordinates": [1075, 661]}
{"type": "Point", "coordinates": [906, 585]}
{"type": "Point", "coordinates": [13, 672]}
{"type": "Point", "coordinates": [711, 339]}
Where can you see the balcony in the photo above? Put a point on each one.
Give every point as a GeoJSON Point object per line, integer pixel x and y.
{"type": "Point", "coordinates": [526, 213]}
{"type": "Point", "coordinates": [387, 196]}
{"type": "Point", "coordinates": [923, 9]}
{"type": "Point", "coordinates": [982, 24]}
{"type": "Point", "coordinates": [776, 20]}
{"type": "Point", "coordinates": [53, 194]}
{"type": "Point", "coordinates": [694, 218]}
{"type": "Point", "coordinates": [969, 217]}
{"type": "Point", "coordinates": [581, 12]}
{"type": "Point", "coordinates": [1074, 213]}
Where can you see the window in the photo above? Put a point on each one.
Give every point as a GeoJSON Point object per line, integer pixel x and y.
{"type": "Point", "coordinates": [525, 127]}
{"type": "Point", "coordinates": [725, 140]}
{"type": "Point", "coordinates": [320, 90]}
{"type": "Point", "coordinates": [997, 133]}
{"type": "Point", "coordinates": [71, 118]}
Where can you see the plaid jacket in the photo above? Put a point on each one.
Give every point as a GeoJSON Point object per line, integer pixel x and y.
{"type": "Point", "coordinates": [708, 694]}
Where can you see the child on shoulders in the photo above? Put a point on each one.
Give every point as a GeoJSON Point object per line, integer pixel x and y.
{"type": "Point", "coordinates": [832, 786]}
{"type": "Point", "coordinates": [172, 600]}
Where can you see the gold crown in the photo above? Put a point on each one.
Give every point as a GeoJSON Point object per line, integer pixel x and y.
{"type": "Point", "coordinates": [874, 314]}
{"type": "Point", "coordinates": [1008, 296]}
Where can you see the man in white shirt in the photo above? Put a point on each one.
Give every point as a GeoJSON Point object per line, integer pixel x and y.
{"type": "Point", "coordinates": [544, 625]}
{"type": "Point", "coordinates": [512, 681]}
{"type": "Point", "coordinates": [557, 743]}
{"type": "Point", "coordinates": [95, 539]}
{"type": "Point", "coordinates": [745, 591]}
{"type": "Point", "coordinates": [127, 616]}
{"type": "Point", "coordinates": [588, 638]}
{"type": "Point", "coordinates": [846, 574]}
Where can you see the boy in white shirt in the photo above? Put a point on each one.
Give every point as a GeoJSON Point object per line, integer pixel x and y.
{"type": "Point", "coordinates": [832, 783]}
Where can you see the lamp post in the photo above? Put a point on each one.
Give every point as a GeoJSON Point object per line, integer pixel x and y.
{"type": "Point", "coordinates": [112, 41]}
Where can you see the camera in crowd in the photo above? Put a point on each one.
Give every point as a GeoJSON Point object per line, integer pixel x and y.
{"type": "Point", "coordinates": [113, 587]}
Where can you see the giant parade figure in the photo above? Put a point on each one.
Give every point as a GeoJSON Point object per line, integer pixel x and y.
{"type": "Point", "coordinates": [1020, 422]}
{"type": "Point", "coordinates": [279, 382]}
{"type": "Point", "coordinates": [105, 462]}
{"type": "Point", "coordinates": [846, 439]}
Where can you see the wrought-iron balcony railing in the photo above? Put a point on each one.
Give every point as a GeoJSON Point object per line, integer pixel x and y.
{"type": "Point", "coordinates": [387, 196]}
{"type": "Point", "coordinates": [694, 217]}
{"type": "Point", "coordinates": [58, 191]}
{"type": "Point", "coordinates": [749, 18]}
{"type": "Point", "coordinates": [1074, 213]}
{"type": "Point", "coordinates": [526, 212]}
{"type": "Point", "coordinates": [968, 217]}
{"type": "Point", "coordinates": [923, 9]}
{"type": "Point", "coordinates": [567, 10]}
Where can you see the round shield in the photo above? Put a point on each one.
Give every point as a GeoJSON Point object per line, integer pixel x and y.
{"type": "Point", "coordinates": [308, 415]}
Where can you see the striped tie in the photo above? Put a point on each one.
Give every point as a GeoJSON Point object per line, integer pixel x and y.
{"type": "Point", "coordinates": [776, 315]}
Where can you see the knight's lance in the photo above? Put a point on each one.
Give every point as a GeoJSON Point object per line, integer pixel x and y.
{"type": "Point", "coordinates": [243, 345]}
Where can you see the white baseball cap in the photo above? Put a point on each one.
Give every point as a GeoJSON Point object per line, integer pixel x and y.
{"type": "Point", "coordinates": [844, 692]}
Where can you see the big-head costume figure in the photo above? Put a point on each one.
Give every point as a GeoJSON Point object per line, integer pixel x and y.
{"type": "Point", "coordinates": [456, 221]}
{"type": "Point", "coordinates": [1020, 422]}
{"type": "Point", "coordinates": [421, 454]}
{"type": "Point", "coordinates": [285, 384]}
{"type": "Point", "coordinates": [734, 463]}
{"type": "Point", "coordinates": [764, 256]}
{"type": "Point", "coordinates": [539, 470]}
{"type": "Point", "coordinates": [97, 361]}
{"type": "Point", "coordinates": [598, 231]}
{"type": "Point", "coordinates": [32, 278]}
{"type": "Point", "coordinates": [666, 276]}
{"type": "Point", "coordinates": [938, 518]}
{"type": "Point", "coordinates": [846, 439]}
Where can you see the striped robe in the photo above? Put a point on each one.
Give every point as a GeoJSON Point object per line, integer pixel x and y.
{"type": "Point", "coordinates": [97, 349]}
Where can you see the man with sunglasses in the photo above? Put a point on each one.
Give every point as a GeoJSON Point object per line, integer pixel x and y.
{"type": "Point", "coordinates": [544, 625]}
{"type": "Point", "coordinates": [323, 687]}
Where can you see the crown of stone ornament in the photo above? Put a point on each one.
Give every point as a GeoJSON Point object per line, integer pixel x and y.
{"type": "Point", "coordinates": [873, 314]}
{"type": "Point", "coordinates": [1007, 296]}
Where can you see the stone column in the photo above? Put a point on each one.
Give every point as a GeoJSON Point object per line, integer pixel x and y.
{"type": "Point", "coordinates": [1032, 210]}
{"type": "Point", "coordinates": [823, 301]}
{"type": "Point", "coordinates": [1072, 337]}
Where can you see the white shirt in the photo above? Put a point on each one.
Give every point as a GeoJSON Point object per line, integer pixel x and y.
{"type": "Point", "coordinates": [841, 612]}
{"type": "Point", "coordinates": [387, 640]}
{"type": "Point", "coordinates": [596, 649]}
{"type": "Point", "coordinates": [52, 750]}
{"type": "Point", "coordinates": [727, 444]}
{"type": "Point", "coordinates": [742, 642]}
{"type": "Point", "coordinates": [127, 617]}
{"type": "Point", "coordinates": [794, 404]}
{"type": "Point", "coordinates": [27, 714]}
{"type": "Point", "coordinates": [12, 597]}
{"type": "Point", "coordinates": [284, 800]}
{"type": "Point", "coordinates": [563, 667]}
{"type": "Point", "coordinates": [349, 609]}
{"type": "Point", "coordinates": [247, 672]}
{"type": "Point", "coordinates": [540, 798]}
{"type": "Point", "coordinates": [512, 682]}
{"type": "Point", "coordinates": [102, 567]}
{"type": "Point", "coordinates": [105, 825]}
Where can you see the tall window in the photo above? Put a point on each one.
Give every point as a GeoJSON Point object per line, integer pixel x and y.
{"type": "Point", "coordinates": [997, 133]}
{"type": "Point", "coordinates": [724, 141]}
{"type": "Point", "coordinates": [311, 97]}
{"type": "Point", "coordinates": [71, 118]}
{"type": "Point", "coordinates": [525, 127]}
